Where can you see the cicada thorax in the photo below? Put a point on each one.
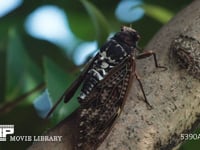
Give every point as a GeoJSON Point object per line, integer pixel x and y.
{"type": "Point", "coordinates": [110, 56]}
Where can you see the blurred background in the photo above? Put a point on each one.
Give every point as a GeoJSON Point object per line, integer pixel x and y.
{"type": "Point", "coordinates": [44, 44]}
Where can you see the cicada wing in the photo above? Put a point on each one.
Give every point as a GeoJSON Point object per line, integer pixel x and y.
{"type": "Point", "coordinates": [69, 93]}
{"type": "Point", "coordinates": [104, 105]}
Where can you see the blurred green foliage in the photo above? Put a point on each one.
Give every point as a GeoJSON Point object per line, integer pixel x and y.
{"type": "Point", "coordinates": [28, 65]}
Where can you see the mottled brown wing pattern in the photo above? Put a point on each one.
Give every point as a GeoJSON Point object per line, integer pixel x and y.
{"type": "Point", "coordinates": [104, 105]}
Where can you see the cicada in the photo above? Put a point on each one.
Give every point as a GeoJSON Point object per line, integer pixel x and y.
{"type": "Point", "coordinates": [185, 51]}
{"type": "Point", "coordinates": [105, 82]}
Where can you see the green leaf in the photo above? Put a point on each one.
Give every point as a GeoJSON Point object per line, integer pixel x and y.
{"type": "Point", "coordinates": [99, 21]}
{"type": "Point", "coordinates": [2, 68]}
{"type": "Point", "coordinates": [55, 78]}
{"type": "Point", "coordinates": [57, 82]}
{"type": "Point", "coordinates": [22, 73]}
{"type": "Point", "coordinates": [157, 12]}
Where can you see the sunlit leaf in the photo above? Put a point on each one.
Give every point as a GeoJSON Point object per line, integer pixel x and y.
{"type": "Point", "coordinates": [125, 12]}
{"type": "Point", "coordinates": [42, 104]}
{"type": "Point", "coordinates": [22, 72]}
{"type": "Point", "coordinates": [159, 13]}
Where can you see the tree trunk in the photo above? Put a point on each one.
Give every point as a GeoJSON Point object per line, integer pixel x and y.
{"type": "Point", "coordinates": [174, 95]}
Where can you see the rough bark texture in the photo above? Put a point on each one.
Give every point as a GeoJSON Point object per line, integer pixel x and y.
{"type": "Point", "coordinates": [174, 94]}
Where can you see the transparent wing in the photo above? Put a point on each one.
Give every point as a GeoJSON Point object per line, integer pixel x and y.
{"type": "Point", "coordinates": [68, 94]}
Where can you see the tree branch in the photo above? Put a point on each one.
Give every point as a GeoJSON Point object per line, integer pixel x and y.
{"type": "Point", "coordinates": [174, 94]}
{"type": "Point", "coordinates": [7, 107]}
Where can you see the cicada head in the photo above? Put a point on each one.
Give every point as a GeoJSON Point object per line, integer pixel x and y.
{"type": "Point", "coordinates": [130, 36]}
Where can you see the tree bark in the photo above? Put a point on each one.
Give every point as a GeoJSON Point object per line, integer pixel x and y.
{"type": "Point", "coordinates": [174, 95]}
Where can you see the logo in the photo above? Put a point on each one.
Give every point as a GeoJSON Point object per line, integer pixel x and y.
{"type": "Point", "coordinates": [5, 130]}
{"type": "Point", "coordinates": [9, 129]}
